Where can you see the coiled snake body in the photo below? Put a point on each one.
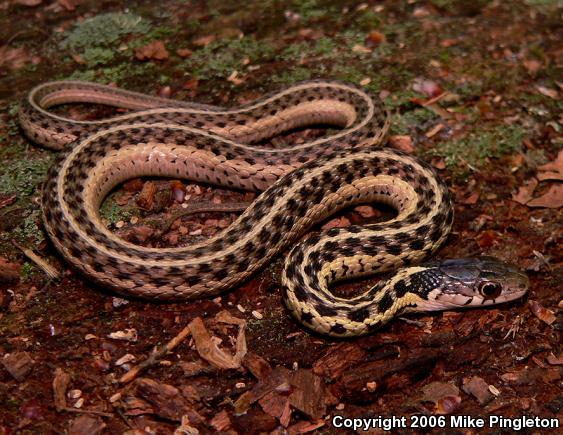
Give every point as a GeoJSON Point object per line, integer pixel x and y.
{"type": "Point", "coordinates": [301, 185]}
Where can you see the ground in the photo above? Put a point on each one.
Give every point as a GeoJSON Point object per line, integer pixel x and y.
{"type": "Point", "coordinates": [473, 88]}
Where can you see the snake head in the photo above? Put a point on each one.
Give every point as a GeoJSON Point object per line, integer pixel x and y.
{"type": "Point", "coordinates": [476, 282]}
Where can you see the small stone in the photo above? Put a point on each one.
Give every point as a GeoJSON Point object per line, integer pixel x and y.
{"type": "Point", "coordinates": [240, 385]}
{"type": "Point", "coordinates": [118, 302]}
{"type": "Point", "coordinates": [257, 315]}
{"type": "Point", "coordinates": [127, 358]}
{"type": "Point", "coordinates": [79, 403]}
{"type": "Point", "coordinates": [134, 220]}
{"type": "Point", "coordinates": [371, 386]}
{"type": "Point", "coordinates": [115, 398]}
{"type": "Point", "coordinates": [241, 308]}
{"type": "Point", "coordinates": [127, 335]}
{"type": "Point", "coordinates": [120, 224]}
{"type": "Point", "coordinates": [74, 394]}
{"type": "Point", "coordinates": [90, 337]}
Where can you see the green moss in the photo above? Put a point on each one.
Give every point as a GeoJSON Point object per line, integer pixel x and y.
{"type": "Point", "coordinates": [290, 76]}
{"type": "Point", "coordinates": [104, 30]}
{"type": "Point", "coordinates": [117, 73]}
{"type": "Point", "coordinates": [97, 56]}
{"type": "Point", "coordinates": [114, 213]}
{"type": "Point", "coordinates": [30, 230]}
{"type": "Point", "coordinates": [220, 58]}
{"type": "Point", "coordinates": [310, 10]}
{"type": "Point", "coordinates": [28, 271]}
{"type": "Point", "coordinates": [406, 122]}
{"type": "Point", "coordinates": [368, 20]}
{"type": "Point", "coordinates": [22, 175]}
{"type": "Point", "coordinates": [478, 146]}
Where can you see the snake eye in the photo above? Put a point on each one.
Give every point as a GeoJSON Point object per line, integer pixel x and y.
{"type": "Point", "coordinates": [490, 290]}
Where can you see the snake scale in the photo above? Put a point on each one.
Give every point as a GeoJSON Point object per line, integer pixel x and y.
{"type": "Point", "coordinates": [301, 185]}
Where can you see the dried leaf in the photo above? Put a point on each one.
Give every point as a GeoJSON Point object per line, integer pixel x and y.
{"type": "Point", "coordinates": [67, 4]}
{"type": "Point", "coordinates": [552, 170]}
{"type": "Point", "coordinates": [203, 40]}
{"type": "Point", "coordinates": [553, 198]}
{"type": "Point", "coordinates": [211, 352]}
{"type": "Point", "coordinates": [525, 192]}
{"type": "Point", "coordinates": [541, 313]}
{"type": "Point", "coordinates": [548, 92]}
{"type": "Point", "coordinates": [403, 143]}
{"type": "Point", "coordinates": [374, 38]}
{"type": "Point", "coordinates": [13, 58]}
{"type": "Point", "coordinates": [472, 198]}
{"type": "Point", "coordinates": [555, 360]}
{"type": "Point", "coordinates": [154, 50]}
{"type": "Point", "coordinates": [337, 223]}
{"type": "Point", "coordinates": [184, 52]}
{"type": "Point", "coordinates": [427, 87]}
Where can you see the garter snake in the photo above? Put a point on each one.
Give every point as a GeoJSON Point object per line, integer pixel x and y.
{"type": "Point", "coordinates": [301, 186]}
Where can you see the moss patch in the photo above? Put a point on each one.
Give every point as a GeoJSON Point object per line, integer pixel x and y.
{"type": "Point", "coordinates": [478, 146]}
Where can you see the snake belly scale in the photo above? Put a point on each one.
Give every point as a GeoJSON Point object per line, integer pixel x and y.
{"type": "Point", "coordinates": [301, 186]}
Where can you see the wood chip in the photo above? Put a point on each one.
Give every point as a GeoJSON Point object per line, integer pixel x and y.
{"type": "Point", "coordinates": [337, 359]}
{"type": "Point", "coordinates": [18, 364]}
{"type": "Point", "coordinates": [9, 272]}
{"type": "Point", "coordinates": [146, 197]}
{"type": "Point", "coordinates": [221, 422]}
{"type": "Point", "coordinates": [86, 425]}
{"type": "Point", "coordinates": [478, 388]}
{"type": "Point", "coordinates": [61, 382]}
{"type": "Point", "coordinates": [167, 401]}
{"type": "Point", "coordinates": [542, 313]}
{"type": "Point", "coordinates": [258, 366]}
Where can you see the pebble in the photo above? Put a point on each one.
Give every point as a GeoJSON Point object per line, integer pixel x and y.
{"type": "Point", "coordinates": [127, 358]}
{"type": "Point", "coordinates": [120, 224]}
{"type": "Point", "coordinates": [241, 308]}
{"type": "Point", "coordinates": [257, 315]}
{"type": "Point", "coordinates": [74, 394]}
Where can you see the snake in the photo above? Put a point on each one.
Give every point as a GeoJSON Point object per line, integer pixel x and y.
{"type": "Point", "coordinates": [300, 185]}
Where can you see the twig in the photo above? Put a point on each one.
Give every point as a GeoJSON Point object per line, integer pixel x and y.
{"type": "Point", "coordinates": [155, 356]}
{"type": "Point", "coordinates": [88, 411]}
{"type": "Point", "coordinates": [49, 270]}
{"type": "Point", "coordinates": [201, 208]}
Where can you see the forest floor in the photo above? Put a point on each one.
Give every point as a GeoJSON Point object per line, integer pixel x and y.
{"type": "Point", "coordinates": [474, 88]}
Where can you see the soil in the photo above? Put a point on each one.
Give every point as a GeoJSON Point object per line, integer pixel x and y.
{"type": "Point", "coordinates": [474, 88]}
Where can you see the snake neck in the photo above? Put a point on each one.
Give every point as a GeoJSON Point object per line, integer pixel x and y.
{"type": "Point", "coordinates": [411, 289]}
